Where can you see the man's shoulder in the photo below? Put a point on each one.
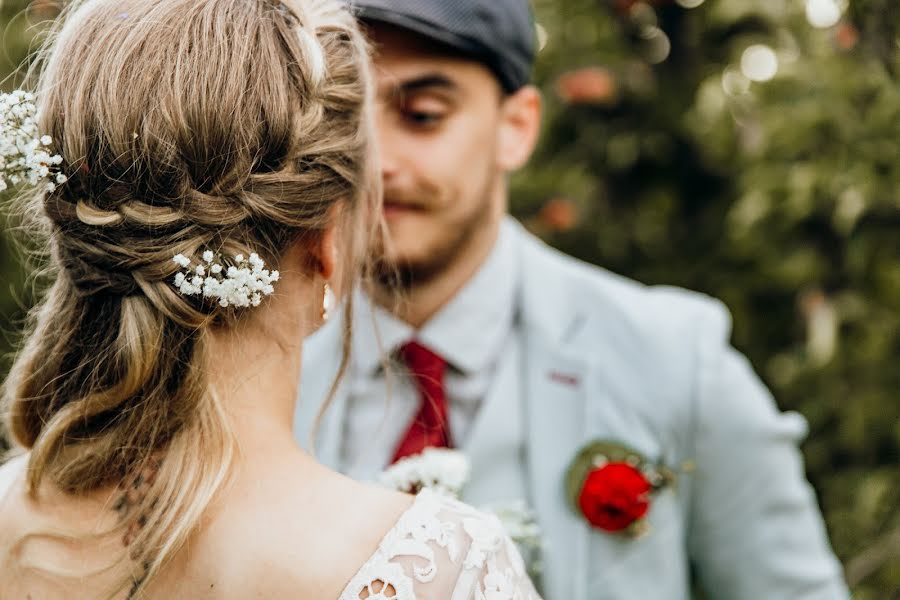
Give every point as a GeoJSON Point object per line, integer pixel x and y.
{"type": "Point", "coordinates": [648, 348]}
{"type": "Point", "coordinates": [647, 351]}
{"type": "Point", "coordinates": [620, 307]}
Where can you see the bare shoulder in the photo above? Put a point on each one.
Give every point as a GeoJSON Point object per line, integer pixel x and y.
{"type": "Point", "coordinates": [278, 534]}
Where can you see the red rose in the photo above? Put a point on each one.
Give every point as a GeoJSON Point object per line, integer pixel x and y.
{"type": "Point", "coordinates": [614, 496]}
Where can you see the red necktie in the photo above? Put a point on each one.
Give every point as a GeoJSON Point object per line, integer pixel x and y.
{"type": "Point", "coordinates": [429, 428]}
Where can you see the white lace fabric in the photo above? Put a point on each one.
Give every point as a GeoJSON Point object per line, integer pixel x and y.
{"type": "Point", "coordinates": [441, 549]}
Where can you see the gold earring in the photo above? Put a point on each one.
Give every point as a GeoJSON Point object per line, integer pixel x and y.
{"type": "Point", "coordinates": [328, 303]}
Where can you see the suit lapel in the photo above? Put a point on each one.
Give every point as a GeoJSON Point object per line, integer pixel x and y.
{"type": "Point", "coordinates": [557, 385]}
{"type": "Point", "coordinates": [495, 441]}
{"type": "Point", "coordinates": [555, 392]}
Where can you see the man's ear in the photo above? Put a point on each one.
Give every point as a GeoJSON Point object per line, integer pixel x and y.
{"type": "Point", "coordinates": [520, 125]}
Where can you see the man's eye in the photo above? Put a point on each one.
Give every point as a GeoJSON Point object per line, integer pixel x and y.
{"type": "Point", "coordinates": [423, 118]}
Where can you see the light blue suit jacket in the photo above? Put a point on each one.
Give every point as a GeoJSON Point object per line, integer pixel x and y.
{"type": "Point", "coordinates": [607, 358]}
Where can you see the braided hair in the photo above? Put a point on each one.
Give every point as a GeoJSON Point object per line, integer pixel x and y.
{"type": "Point", "coordinates": [232, 125]}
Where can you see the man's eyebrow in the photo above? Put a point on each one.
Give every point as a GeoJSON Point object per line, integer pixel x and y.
{"type": "Point", "coordinates": [427, 81]}
{"type": "Point", "coordinates": [424, 82]}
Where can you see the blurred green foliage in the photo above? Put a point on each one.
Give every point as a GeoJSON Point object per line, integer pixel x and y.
{"type": "Point", "coordinates": [663, 161]}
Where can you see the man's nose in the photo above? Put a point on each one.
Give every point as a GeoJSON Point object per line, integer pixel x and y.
{"type": "Point", "coordinates": [388, 149]}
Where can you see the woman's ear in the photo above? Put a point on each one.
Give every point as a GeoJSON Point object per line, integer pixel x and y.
{"type": "Point", "coordinates": [322, 249]}
{"type": "Point", "coordinates": [327, 252]}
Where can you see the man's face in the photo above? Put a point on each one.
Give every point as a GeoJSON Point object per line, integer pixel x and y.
{"type": "Point", "coordinates": [439, 119]}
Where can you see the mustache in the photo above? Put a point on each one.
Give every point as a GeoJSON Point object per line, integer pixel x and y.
{"type": "Point", "coordinates": [420, 196]}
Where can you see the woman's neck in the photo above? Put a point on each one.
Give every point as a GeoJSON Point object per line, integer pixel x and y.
{"type": "Point", "coordinates": [254, 367]}
{"type": "Point", "coordinates": [256, 381]}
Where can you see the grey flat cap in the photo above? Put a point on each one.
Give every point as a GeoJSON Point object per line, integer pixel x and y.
{"type": "Point", "coordinates": [498, 33]}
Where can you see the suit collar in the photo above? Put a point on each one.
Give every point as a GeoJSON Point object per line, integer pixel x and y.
{"type": "Point", "coordinates": [546, 301]}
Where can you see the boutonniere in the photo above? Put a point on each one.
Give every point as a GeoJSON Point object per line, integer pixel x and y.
{"type": "Point", "coordinates": [612, 486]}
{"type": "Point", "coordinates": [442, 470]}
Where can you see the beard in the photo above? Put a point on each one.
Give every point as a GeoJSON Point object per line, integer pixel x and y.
{"type": "Point", "coordinates": [405, 274]}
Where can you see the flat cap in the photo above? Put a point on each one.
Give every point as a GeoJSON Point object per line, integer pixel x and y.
{"type": "Point", "coordinates": [497, 33]}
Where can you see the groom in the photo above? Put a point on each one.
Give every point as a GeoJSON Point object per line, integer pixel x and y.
{"type": "Point", "coordinates": [521, 357]}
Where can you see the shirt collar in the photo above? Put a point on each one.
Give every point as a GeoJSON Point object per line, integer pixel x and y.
{"type": "Point", "coordinates": [469, 332]}
{"type": "Point", "coordinates": [376, 332]}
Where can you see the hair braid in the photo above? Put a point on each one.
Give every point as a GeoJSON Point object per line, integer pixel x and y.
{"type": "Point", "coordinates": [184, 125]}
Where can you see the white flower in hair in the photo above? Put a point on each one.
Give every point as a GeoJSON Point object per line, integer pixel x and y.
{"type": "Point", "coordinates": [24, 154]}
{"type": "Point", "coordinates": [242, 284]}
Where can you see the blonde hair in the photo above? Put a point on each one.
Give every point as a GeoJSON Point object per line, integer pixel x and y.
{"type": "Point", "coordinates": [232, 125]}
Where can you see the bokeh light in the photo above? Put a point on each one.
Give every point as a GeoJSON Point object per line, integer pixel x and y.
{"type": "Point", "coordinates": [734, 83]}
{"type": "Point", "coordinates": [759, 63]}
{"type": "Point", "coordinates": [823, 13]}
{"type": "Point", "coordinates": [658, 46]}
{"type": "Point", "coordinates": [542, 36]}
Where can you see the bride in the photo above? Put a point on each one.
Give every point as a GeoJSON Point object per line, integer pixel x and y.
{"type": "Point", "coordinates": [214, 180]}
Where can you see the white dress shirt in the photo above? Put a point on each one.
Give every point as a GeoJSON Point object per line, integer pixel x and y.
{"type": "Point", "coordinates": [473, 333]}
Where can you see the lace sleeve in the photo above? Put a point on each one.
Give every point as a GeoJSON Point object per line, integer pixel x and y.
{"type": "Point", "coordinates": [441, 549]}
{"type": "Point", "coordinates": [493, 568]}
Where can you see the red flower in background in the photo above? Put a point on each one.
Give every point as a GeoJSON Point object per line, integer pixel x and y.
{"type": "Point", "coordinates": [846, 36]}
{"type": "Point", "coordinates": [614, 496]}
{"type": "Point", "coordinates": [591, 85]}
{"type": "Point", "coordinates": [559, 214]}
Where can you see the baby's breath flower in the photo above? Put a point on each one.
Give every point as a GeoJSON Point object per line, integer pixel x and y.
{"type": "Point", "coordinates": [243, 284]}
{"type": "Point", "coordinates": [23, 153]}
{"type": "Point", "coordinates": [443, 470]}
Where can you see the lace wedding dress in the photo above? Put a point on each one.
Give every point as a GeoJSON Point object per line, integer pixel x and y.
{"type": "Point", "coordinates": [439, 549]}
